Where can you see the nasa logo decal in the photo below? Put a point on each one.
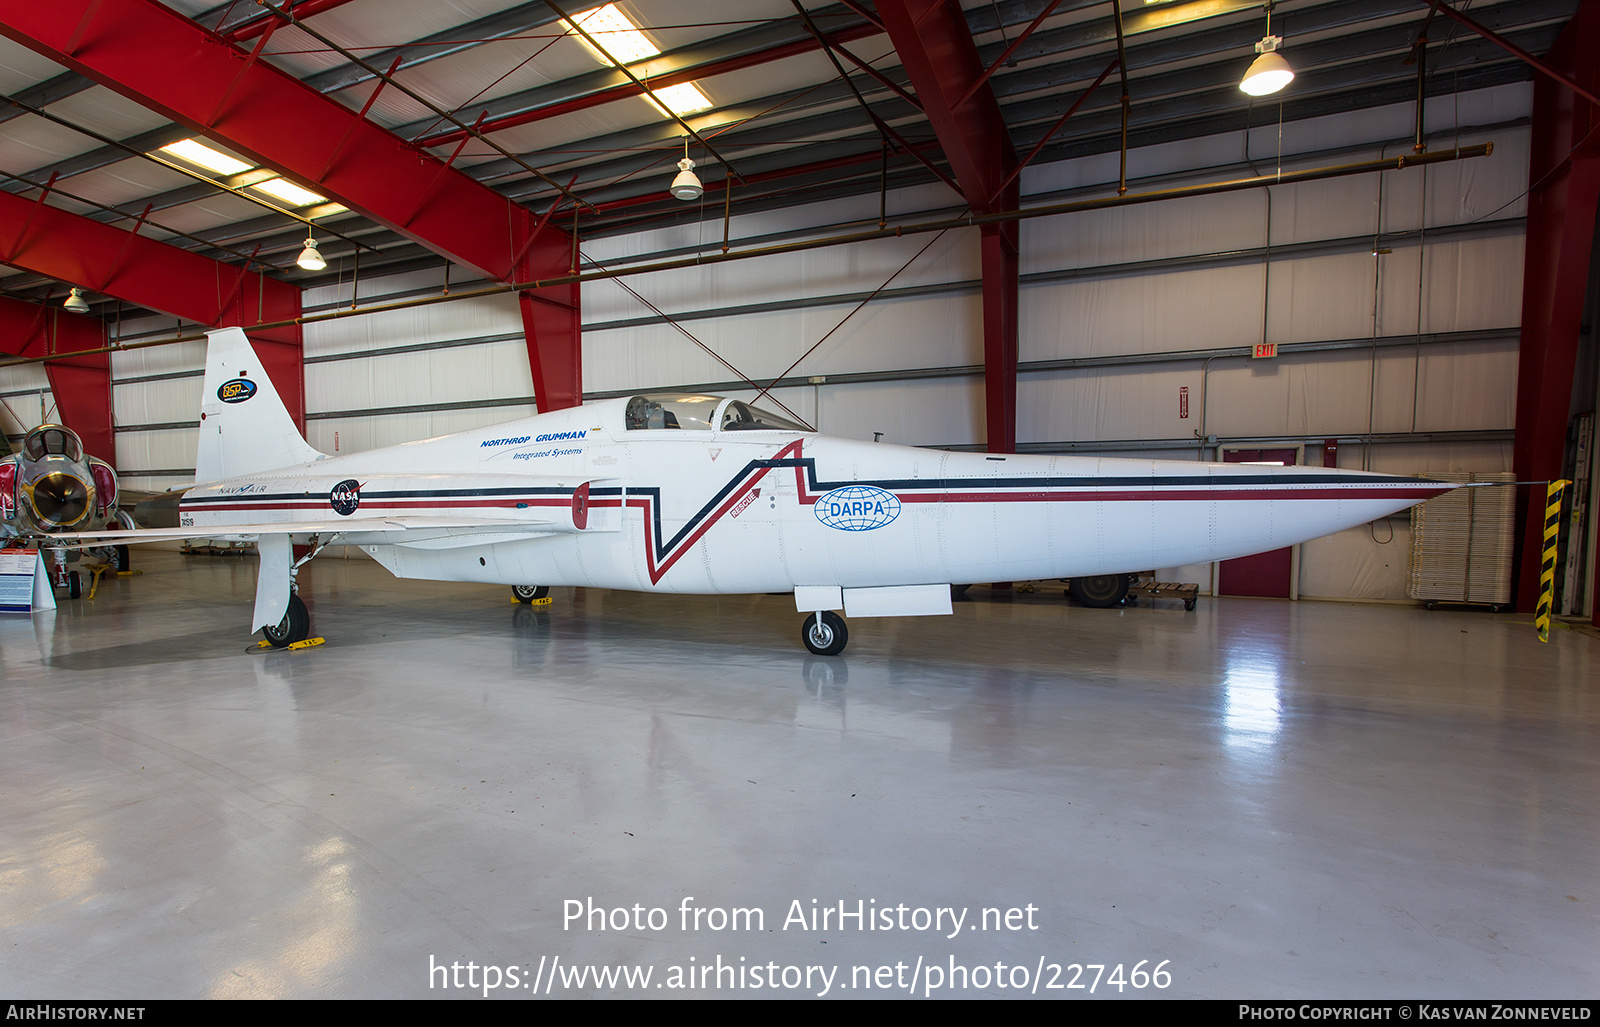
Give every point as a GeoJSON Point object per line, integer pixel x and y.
{"type": "Point", "coordinates": [857, 508]}
{"type": "Point", "coordinates": [236, 390]}
{"type": "Point", "coordinates": [345, 497]}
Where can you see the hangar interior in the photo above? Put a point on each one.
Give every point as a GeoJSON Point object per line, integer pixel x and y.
{"type": "Point", "coordinates": [1293, 798]}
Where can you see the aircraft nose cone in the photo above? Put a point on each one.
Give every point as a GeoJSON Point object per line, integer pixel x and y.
{"type": "Point", "coordinates": [60, 500]}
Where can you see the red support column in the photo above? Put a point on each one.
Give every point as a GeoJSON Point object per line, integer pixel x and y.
{"type": "Point", "coordinates": [1000, 276]}
{"type": "Point", "coordinates": [81, 385]}
{"type": "Point", "coordinates": [938, 53]}
{"type": "Point", "coordinates": [551, 320]}
{"type": "Point", "coordinates": [1562, 205]}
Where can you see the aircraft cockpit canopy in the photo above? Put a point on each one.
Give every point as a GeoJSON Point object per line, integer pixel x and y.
{"type": "Point", "coordinates": [52, 440]}
{"type": "Point", "coordinates": [703, 413]}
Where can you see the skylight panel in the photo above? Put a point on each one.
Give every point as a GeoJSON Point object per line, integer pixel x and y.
{"type": "Point", "coordinates": [289, 192]}
{"type": "Point", "coordinates": [620, 37]}
{"type": "Point", "coordinates": [200, 154]}
{"type": "Point", "coordinates": [624, 42]}
{"type": "Point", "coordinates": [683, 99]}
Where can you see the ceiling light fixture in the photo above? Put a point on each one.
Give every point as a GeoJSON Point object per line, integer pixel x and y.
{"type": "Point", "coordinates": [75, 302]}
{"type": "Point", "coordinates": [311, 257]}
{"type": "Point", "coordinates": [196, 152]}
{"type": "Point", "coordinates": [289, 192]}
{"type": "Point", "coordinates": [1269, 72]}
{"type": "Point", "coordinates": [687, 185]}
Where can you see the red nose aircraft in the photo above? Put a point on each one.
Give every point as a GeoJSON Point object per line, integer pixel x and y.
{"type": "Point", "coordinates": [52, 488]}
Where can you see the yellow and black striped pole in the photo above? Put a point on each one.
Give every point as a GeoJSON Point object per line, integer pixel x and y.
{"type": "Point", "coordinates": [1547, 568]}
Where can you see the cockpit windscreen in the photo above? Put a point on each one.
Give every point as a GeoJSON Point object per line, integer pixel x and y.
{"type": "Point", "coordinates": [52, 440]}
{"type": "Point", "coordinates": [703, 413]}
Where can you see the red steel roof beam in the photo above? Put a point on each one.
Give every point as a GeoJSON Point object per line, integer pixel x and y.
{"type": "Point", "coordinates": [166, 62]}
{"type": "Point", "coordinates": [938, 53]}
{"type": "Point", "coordinates": [116, 262]}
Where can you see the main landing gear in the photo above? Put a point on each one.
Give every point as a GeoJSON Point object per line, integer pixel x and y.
{"type": "Point", "coordinates": [294, 627]}
{"type": "Point", "coordinates": [824, 633]}
{"type": "Point", "coordinates": [530, 593]}
{"type": "Point", "coordinates": [296, 623]}
{"type": "Point", "coordinates": [1100, 591]}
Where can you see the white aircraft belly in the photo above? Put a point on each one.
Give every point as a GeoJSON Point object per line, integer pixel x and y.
{"type": "Point", "coordinates": [762, 532]}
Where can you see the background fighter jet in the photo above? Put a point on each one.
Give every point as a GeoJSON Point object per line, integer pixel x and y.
{"type": "Point", "coordinates": [51, 488]}
{"type": "Point", "coordinates": [700, 494]}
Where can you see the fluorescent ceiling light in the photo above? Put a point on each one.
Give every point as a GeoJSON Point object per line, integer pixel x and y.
{"type": "Point", "coordinates": [623, 40]}
{"type": "Point", "coordinates": [288, 192]}
{"type": "Point", "coordinates": [203, 155]}
{"type": "Point", "coordinates": [682, 99]}
{"type": "Point", "coordinates": [612, 30]}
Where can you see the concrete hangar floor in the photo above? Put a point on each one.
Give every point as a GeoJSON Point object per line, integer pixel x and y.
{"type": "Point", "coordinates": [1257, 799]}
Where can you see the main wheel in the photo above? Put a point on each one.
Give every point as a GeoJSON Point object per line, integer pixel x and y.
{"type": "Point", "coordinates": [528, 593]}
{"type": "Point", "coordinates": [74, 585]}
{"type": "Point", "coordinates": [827, 636]}
{"type": "Point", "coordinates": [1101, 590]}
{"type": "Point", "coordinates": [294, 627]}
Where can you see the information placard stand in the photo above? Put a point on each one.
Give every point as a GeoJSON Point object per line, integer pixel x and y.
{"type": "Point", "coordinates": [24, 582]}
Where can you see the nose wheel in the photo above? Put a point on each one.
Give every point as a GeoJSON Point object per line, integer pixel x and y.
{"type": "Point", "coordinates": [824, 633]}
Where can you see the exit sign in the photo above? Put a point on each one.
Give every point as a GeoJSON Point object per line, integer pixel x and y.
{"type": "Point", "coordinates": [1265, 349]}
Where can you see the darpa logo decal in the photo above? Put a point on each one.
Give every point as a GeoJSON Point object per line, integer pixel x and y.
{"type": "Point", "coordinates": [857, 508]}
{"type": "Point", "coordinates": [345, 497]}
{"type": "Point", "coordinates": [236, 391]}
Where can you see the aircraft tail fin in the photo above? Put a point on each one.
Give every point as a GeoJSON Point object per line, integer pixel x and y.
{"type": "Point", "coordinates": [244, 426]}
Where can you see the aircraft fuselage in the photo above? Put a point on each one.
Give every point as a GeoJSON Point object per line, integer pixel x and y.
{"type": "Point", "coordinates": [712, 511]}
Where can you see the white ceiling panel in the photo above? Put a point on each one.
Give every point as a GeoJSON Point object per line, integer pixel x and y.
{"type": "Point", "coordinates": [129, 183]}
{"type": "Point", "coordinates": [106, 112]}
{"type": "Point", "coordinates": [21, 67]}
{"type": "Point", "coordinates": [29, 142]}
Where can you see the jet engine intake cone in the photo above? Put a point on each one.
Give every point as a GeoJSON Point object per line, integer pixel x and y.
{"type": "Point", "coordinates": [60, 500]}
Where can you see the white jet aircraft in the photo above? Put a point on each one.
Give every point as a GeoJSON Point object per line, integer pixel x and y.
{"type": "Point", "coordinates": [696, 494]}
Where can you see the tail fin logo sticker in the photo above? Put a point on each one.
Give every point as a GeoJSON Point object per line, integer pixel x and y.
{"type": "Point", "coordinates": [857, 508]}
{"type": "Point", "coordinates": [345, 497]}
{"type": "Point", "coordinates": [236, 390]}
